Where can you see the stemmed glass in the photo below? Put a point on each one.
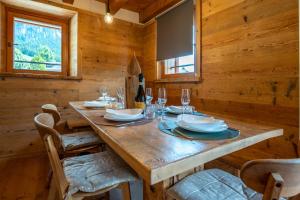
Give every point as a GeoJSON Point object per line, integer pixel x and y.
{"type": "Point", "coordinates": [185, 99]}
{"type": "Point", "coordinates": [162, 100]}
{"type": "Point", "coordinates": [104, 92]}
{"type": "Point", "coordinates": [149, 96]}
{"type": "Point", "coordinates": [121, 96]}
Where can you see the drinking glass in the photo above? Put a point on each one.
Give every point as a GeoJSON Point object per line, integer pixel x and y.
{"type": "Point", "coordinates": [185, 99]}
{"type": "Point", "coordinates": [104, 92]}
{"type": "Point", "coordinates": [150, 111]}
{"type": "Point", "coordinates": [121, 96]}
{"type": "Point", "coordinates": [149, 96]}
{"type": "Point", "coordinates": [162, 100]}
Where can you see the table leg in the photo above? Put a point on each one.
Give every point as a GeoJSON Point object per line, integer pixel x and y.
{"type": "Point", "coordinates": [158, 190]}
{"type": "Point", "coordinates": [154, 192]}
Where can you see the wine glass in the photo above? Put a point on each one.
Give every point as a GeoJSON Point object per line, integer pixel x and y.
{"type": "Point", "coordinates": [104, 92]}
{"type": "Point", "coordinates": [149, 96]}
{"type": "Point", "coordinates": [185, 99]}
{"type": "Point", "coordinates": [162, 100]}
{"type": "Point", "coordinates": [121, 96]}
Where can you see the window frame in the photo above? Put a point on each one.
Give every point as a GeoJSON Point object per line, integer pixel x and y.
{"type": "Point", "coordinates": [176, 67]}
{"type": "Point", "coordinates": [196, 76]}
{"type": "Point", "coordinates": [12, 13]}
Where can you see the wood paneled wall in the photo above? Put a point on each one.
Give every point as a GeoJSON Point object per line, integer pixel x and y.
{"type": "Point", "coordinates": [250, 65]}
{"type": "Point", "coordinates": [104, 53]}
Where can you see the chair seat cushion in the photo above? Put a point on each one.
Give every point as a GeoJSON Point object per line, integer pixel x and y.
{"type": "Point", "coordinates": [212, 184]}
{"type": "Point", "coordinates": [79, 140]}
{"type": "Point", "coordinates": [93, 172]}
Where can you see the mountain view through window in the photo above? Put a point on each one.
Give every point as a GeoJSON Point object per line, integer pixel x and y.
{"type": "Point", "coordinates": [37, 46]}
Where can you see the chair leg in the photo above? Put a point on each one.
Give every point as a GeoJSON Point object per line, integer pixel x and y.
{"type": "Point", "coordinates": [49, 178]}
{"type": "Point", "coordinates": [52, 190]}
{"type": "Point", "coordinates": [126, 191]}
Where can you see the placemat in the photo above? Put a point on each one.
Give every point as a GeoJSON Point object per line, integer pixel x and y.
{"type": "Point", "coordinates": [169, 127]}
{"type": "Point", "coordinates": [100, 120]}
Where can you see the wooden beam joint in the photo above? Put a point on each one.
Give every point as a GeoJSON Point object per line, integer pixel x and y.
{"type": "Point", "coordinates": [156, 8]}
{"type": "Point", "coordinates": [116, 5]}
{"type": "Point", "coordinates": [68, 1]}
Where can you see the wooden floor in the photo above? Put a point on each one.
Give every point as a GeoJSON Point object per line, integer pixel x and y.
{"type": "Point", "coordinates": [24, 178]}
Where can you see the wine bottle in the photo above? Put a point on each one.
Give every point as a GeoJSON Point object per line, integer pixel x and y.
{"type": "Point", "coordinates": [140, 99]}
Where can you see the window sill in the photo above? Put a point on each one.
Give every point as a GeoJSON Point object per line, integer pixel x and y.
{"type": "Point", "coordinates": [39, 76]}
{"type": "Point", "coordinates": [180, 80]}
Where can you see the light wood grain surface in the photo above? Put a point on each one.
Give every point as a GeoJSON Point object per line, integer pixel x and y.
{"type": "Point", "coordinates": [157, 156]}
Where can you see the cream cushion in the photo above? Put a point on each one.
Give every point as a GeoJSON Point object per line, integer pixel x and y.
{"type": "Point", "coordinates": [93, 172]}
{"type": "Point", "coordinates": [79, 140]}
{"type": "Point", "coordinates": [213, 184]}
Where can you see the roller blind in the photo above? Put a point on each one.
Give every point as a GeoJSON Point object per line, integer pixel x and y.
{"type": "Point", "coordinates": [175, 32]}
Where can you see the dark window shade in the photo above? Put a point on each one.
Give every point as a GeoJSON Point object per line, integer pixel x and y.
{"type": "Point", "coordinates": [175, 32]}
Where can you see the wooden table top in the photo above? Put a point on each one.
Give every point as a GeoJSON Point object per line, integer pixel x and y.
{"type": "Point", "coordinates": [157, 156]}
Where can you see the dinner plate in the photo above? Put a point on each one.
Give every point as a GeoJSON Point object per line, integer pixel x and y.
{"type": "Point", "coordinates": [122, 119]}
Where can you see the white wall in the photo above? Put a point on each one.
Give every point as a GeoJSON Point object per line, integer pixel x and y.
{"type": "Point", "coordinates": [98, 7]}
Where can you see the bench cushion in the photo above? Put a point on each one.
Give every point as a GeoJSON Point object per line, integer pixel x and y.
{"type": "Point", "coordinates": [212, 184]}
{"type": "Point", "coordinates": [79, 140]}
{"type": "Point", "coordinates": [93, 172]}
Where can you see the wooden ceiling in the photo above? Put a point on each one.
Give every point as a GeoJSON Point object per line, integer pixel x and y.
{"type": "Point", "coordinates": [147, 9]}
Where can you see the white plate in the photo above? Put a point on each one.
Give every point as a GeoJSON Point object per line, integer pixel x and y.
{"type": "Point", "coordinates": [120, 119]}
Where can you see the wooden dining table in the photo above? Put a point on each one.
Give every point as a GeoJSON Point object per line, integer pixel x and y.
{"type": "Point", "coordinates": [160, 159]}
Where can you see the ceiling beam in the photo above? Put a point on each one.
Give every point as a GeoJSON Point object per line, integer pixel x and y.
{"type": "Point", "coordinates": [68, 1]}
{"type": "Point", "coordinates": [116, 5]}
{"type": "Point", "coordinates": [156, 8]}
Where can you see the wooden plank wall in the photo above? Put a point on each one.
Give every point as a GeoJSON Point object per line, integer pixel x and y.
{"type": "Point", "coordinates": [105, 50]}
{"type": "Point", "coordinates": [250, 65]}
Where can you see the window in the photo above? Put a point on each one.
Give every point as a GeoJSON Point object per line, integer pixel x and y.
{"type": "Point", "coordinates": [182, 65]}
{"type": "Point", "coordinates": [178, 43]}
{"type": "Point", "coordinates": [36, 44]}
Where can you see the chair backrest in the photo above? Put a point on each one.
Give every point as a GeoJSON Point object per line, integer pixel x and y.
{"type": "Point", "coordinates": [44, 122]}
{"type": "Point", "coordinates": [58, 172]}
{"type": "Point", "coordinates": [256, 174]}
{"type": "Point", "coordinates": [52, 109]}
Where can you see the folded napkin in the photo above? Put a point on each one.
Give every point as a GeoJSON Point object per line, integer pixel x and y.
{"type": "Point", "coordinates": [178, 109]}
{"type": "Point", "coordinates": [94, 104]}
{"type": "Point", "coordinates": [125, 113]}
{"type": "Point", "coordinates": [106, 99]}
{"type": "Point", "coordinates": [198, 120]}
{"type": "Point", "coordinates": [200, 123]}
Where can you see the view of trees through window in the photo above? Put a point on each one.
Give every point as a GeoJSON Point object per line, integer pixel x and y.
{"type": "Point", "coordinates": [37, 46]}
{"type": "Point", "coordinates": [180, 65]}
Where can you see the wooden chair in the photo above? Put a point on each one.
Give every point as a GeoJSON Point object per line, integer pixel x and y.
{"type": "Point", "coordinates": [67, 125]}
{"type": "Point", "coordinates": [88, 175]}
{"type": "Point", "coordinates": [67, 144]}
{"type": "Point", "coordinates": [267, 179]}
